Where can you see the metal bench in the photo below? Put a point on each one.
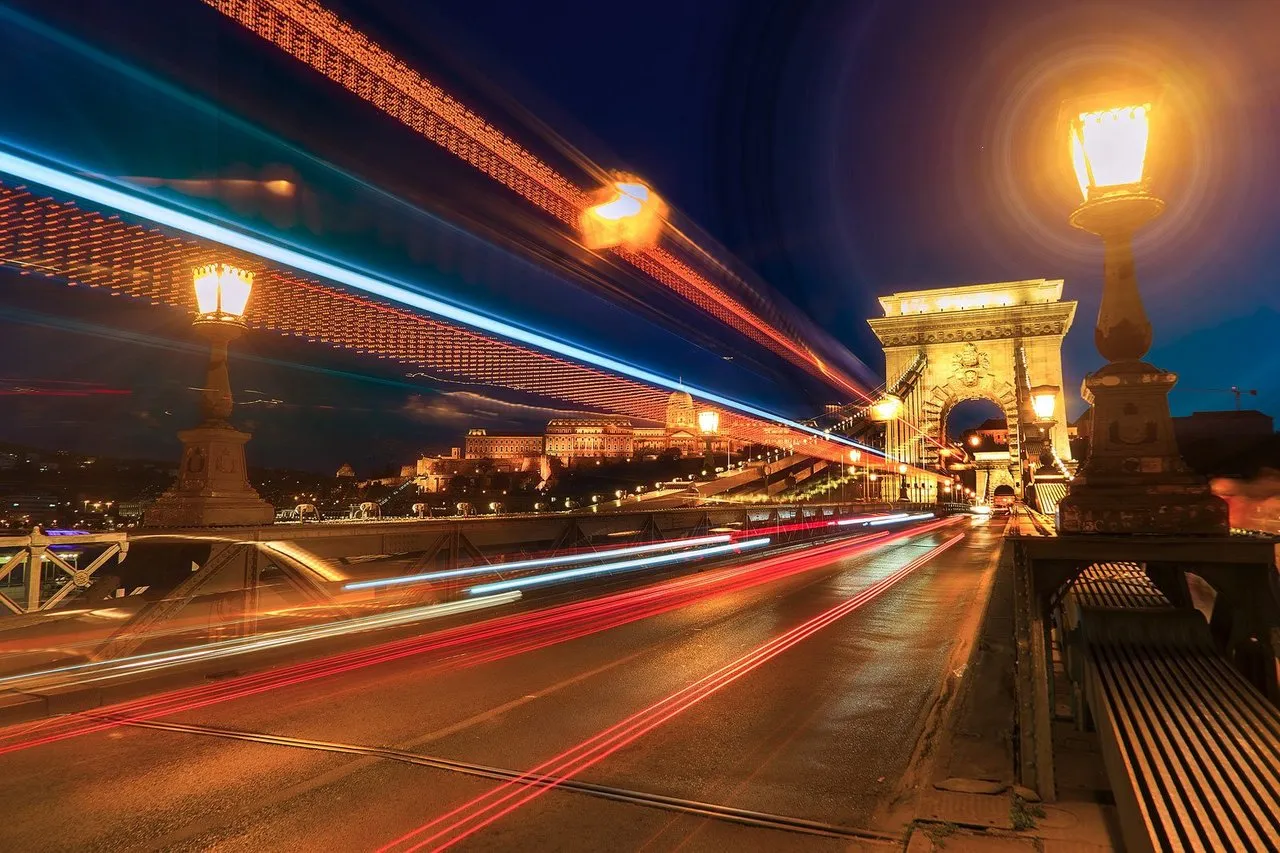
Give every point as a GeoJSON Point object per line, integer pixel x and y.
{"type": "Point", "coordinates": [1191, 748]}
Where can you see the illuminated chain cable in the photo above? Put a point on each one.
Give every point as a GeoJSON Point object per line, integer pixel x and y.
{"type": "Point", "coordinates": [313, 35]}
{"type": "Point", "coordinates": [57, 239]}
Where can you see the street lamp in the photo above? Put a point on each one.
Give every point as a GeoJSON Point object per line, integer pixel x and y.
{"type": "Point", "coordinates": [1134, 480]}
{"type": "Point", "coordinates": [855, 456]}
{"type": "Point", "coordinates": [1044, 401]}
{"type": "Point", "coordinates": [886, 408]}
{"type": "Point", "coordinates": [709, 426]}
{"type": "Point", "coordinates": [627, 213]}
{"type": "Point", "coordinates": [213, 484]}
{"type": "Point", "coordinates": [902, 482]}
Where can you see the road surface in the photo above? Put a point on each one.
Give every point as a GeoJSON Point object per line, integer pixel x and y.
{"type": "Point", "coordinates": [824, 731]}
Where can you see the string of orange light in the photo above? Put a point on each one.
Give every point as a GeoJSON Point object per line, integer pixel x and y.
{"type": "Point", "coordinates": [313, 35]}
{"type": "Point", "coordinates": [61, 240]}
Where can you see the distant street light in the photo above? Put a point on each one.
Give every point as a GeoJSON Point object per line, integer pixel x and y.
{"type": "Point", "coordinates": [886, 408]}
{"type": "Point", "coordinates": [1131, 423]}
{"type": "Point", "coordinates": [213, 484]}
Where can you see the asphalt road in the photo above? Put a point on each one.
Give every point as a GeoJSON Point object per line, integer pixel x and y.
{"type": "Point", "coordinates": [825, 732]}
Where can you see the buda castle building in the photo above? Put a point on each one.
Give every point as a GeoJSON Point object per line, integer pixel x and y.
{"type": "Point", "coordinates": [577, 441]}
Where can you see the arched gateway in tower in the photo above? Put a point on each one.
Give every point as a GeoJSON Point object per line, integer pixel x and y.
{"type": "Point", "coordinates": [979, 341]}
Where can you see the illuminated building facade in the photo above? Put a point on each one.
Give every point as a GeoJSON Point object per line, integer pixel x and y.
{"type": "Point", "coordinates": [570, 440]}
{"type": "Point", "coordinates": [578, 440]}
{"type": "Point", "coordinates": [481, 445]}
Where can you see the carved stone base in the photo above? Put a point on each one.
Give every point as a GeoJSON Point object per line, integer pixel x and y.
{"type": "Point", "coordinates": [213, 486]}
{"type": "Point", "coordinates": [1135, 480]}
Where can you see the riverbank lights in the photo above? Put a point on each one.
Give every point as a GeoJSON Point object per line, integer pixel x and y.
{"type": "Point", "coordinates": [627, 213]}
{"type": "Point", "coordinates": [886, 408]}
{"type": "Point", "coordinates": [709, 422]}
{"type": "Point", "coordinates": [1044, 401]}
{"type": "Point", "coordinates": [222, 291]}
{"type": "Point", "coordinates": [1109, 148]}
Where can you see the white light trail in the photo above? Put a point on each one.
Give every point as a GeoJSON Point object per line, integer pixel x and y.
{"type": "Point", "coordinates": [135, 664]}
{"type": "Point", "coordinates": [872, 519]}
{"type": "Point", "coordinates": [620, 566]}
{"type": "Point", "coordinates": [901, 517]}
{"type": "Point", "coordinates": [493, 568]}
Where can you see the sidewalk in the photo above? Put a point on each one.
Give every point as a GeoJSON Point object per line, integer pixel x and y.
{"type": "Point", "coordinates": [974, 803]}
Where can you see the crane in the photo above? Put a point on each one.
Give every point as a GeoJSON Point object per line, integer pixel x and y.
{"type": "Point", "coordinates": [1234, 389]}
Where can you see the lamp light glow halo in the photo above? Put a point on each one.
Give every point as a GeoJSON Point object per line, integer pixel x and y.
{"type": "Point", "coordinates": [619, 566]}
{"type": "Point", "coordinates": [493, 568]}
{"type": "Point", "coordinates": [83, 188]}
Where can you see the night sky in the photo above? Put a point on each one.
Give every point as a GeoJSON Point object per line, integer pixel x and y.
{"type": "Point", "coordinates": [841, 150]}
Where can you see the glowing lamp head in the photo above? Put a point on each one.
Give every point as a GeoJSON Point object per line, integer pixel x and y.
{"type": "Point", "coordinates": [902, 469]}
{"type": "Point", "coordinates": [975, 440]}
{"type": "Point", "coordinates": [709, 421]}
{"type": "Point", "coordinates": [886, 408]}
{"type": "Point", "coordinates": [855, 455]}
{"type": "Point", "coordinates": [1044, 401]}
{"type": "Point", "coordinates": [874, 476]}
{"type": "Point", "coordinates": [1109, 149]}
{"type": "Point", "coordinates": [222, 291]}
{"type": "Point", "coordinates": [628, 214]}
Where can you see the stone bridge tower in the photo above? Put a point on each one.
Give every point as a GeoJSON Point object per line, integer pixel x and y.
{"type": "Point", "coordinates": [980, 341]}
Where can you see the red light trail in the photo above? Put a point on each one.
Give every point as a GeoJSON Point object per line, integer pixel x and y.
{"type": "Point", "coordinates": [472, 816]}
{"type": "Point", "coordinates": [486, 641]}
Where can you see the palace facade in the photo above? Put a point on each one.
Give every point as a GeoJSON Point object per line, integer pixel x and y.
{"type": "Point", "coordinates": [577, 441]}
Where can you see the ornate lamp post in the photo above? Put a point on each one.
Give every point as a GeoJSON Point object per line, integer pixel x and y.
{"type": "Point", "coordinates": [855, 456]}
{"type": "Point", "coordinates": [1044, 405]}
{"type": "Point", "coordinates": [902, 482]}
{"type": "Point", "coordinates": [1134, 480]}
{"type": "Point", "coordinates": [213, 485]}
{"type": "Point", "coordinates": [709, 425]}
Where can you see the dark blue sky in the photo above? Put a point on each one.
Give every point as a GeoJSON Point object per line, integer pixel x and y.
{"type": "Point", "coordinates": [842, 150]}
{"type": "Point", "coordinates": [849, 149]}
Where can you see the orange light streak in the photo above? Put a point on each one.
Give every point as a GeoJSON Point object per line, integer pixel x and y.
{"type": "Point", "coordinates": [312, 34]}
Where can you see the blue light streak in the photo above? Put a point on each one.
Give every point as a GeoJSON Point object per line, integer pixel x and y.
{"type": "Point", "coordinates": [385, 288]}
{"type": "Point", "coordinates": [494, 568]}
{"type": "Point", "coordinates": [610, 568]}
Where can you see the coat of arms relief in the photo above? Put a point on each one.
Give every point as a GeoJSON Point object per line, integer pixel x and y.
{"type": "Point", "coordinates": [970, 365]}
